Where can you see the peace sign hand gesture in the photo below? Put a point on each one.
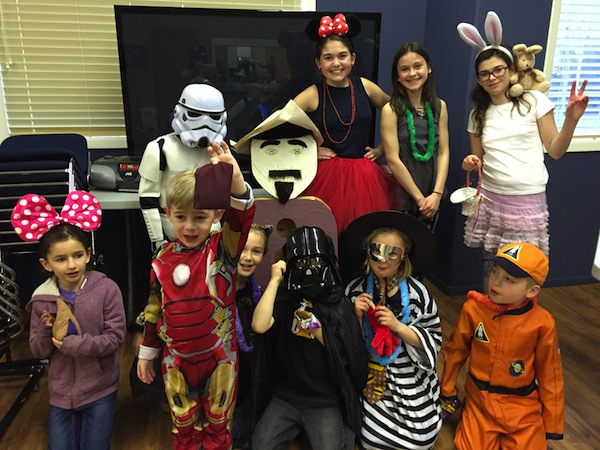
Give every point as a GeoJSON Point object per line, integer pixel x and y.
{"type": "Point", "coordinates": [577, 102]}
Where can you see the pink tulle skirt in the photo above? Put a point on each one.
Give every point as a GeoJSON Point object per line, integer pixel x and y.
{"type": "Point", "coordinates": [506, 219]}
{"type": "Point", "coordinates": [351, 188]}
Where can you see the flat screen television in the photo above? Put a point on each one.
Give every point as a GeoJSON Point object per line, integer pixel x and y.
{"type": "Point", "coordinates": [252, 57]}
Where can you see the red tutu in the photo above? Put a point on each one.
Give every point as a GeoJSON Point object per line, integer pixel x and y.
{"type": "Point", "coordinates": [352, 188]}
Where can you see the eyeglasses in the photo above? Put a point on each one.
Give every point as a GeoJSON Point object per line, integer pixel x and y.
{"type": "Point", "coordinates": [498, 72]}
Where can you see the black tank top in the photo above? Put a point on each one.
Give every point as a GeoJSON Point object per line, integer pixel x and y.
{"type": "Point", "coordinates": [360, 134]}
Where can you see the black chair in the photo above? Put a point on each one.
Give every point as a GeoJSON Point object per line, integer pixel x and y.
{"type": "Point", "coordinates": [52, 166]}
{"type": "Point", "coordinates": [10, 326]}
{"type": "Point", "coordinates": [44, 147]}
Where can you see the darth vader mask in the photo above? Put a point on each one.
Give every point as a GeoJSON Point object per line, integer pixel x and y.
{"type": "Point", "coordinates": [311, 262]}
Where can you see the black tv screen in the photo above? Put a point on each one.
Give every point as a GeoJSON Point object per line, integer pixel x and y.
{"type": "Point", "coordinates": [252, 57]}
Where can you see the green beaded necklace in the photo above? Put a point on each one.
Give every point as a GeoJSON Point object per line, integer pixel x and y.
{"type": "Point", "coordinates": [410, 123]}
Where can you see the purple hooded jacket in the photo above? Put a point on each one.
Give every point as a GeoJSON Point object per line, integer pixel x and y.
{"type": "Point", "coordinates": [86, 368]}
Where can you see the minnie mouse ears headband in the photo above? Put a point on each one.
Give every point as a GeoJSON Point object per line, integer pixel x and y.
{"type": "Point", "coordinates": [33, 216]}
{"type": "Point", "coordinates": [493, 31]}
{"type": "Point", "coordinates": [341, 25]}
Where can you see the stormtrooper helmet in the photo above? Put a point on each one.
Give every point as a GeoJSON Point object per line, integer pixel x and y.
{"type": "Point", "coordinates": [199, 117]}
{"type": "Point", "coordinates": [311, 262]}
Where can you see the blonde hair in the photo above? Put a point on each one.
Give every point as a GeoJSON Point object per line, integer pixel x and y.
{"type": "Point", "coordinates": [405, 269]}
{"type": "Point", "coordinates": [181, 188]}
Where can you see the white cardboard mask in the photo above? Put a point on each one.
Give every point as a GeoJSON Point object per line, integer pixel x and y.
{"type": "Point", "coordinates": [284, 167]}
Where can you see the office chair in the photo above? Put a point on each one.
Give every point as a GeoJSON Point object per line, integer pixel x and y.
{"type": "Point", "coordinates": [52, 166]}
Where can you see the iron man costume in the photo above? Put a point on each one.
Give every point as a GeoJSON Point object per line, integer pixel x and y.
{"type": "Point", "coordinates": [191, 309]}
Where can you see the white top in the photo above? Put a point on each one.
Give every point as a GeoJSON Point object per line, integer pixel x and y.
{"type": "Point", "coordinates": [513, 159]}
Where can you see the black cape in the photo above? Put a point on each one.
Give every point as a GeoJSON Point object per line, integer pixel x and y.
{"type": "Point", "coordinates": [345, 349]}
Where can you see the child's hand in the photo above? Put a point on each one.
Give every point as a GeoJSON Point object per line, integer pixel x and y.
{"type": "Point", "coordinates": [262, 319]}
{"type": "Point", "coordinates": [58, 344]}
{"type": "Point", "coordinates": [385, 317]}
{"type": "Point", "coordinates": [363, 303]}
{"type": "Point", "coordinates": [325, 153]}
{"type": "Point", "coordinates": [373, 153]}
{"type": "Point", "coordinates": [577, 102]}
{"type": "Point", "coordinates": [145, 370]}
{"type": "Point", "coordinates": [471, 162]}
{"type": "Point", "coordinates": [47, 319]}
{"type": "Point", "coordinates": [222, 153]}
{"type": "Point", "coordinates": [430, 205]}
{"type": "Point", "coordinates": [277, 271]}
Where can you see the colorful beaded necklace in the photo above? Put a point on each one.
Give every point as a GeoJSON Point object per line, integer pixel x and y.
{"type": "Point", "coordinates": [410, 124]}
{"type": "Point", "coordinates": [239, 329]}
{"type": "Point", "coordinates": [368, 329]}
{"type": "Point", "coordinates": [327, 94]}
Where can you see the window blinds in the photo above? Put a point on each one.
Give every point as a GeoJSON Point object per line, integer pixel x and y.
{"type": "Point", "coordinates": [577, 57]}
{"type": "Point", "coordinates": [60, 65]}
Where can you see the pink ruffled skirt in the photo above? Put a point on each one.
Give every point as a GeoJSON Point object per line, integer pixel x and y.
{"type": "Point", "coordinates": [506, 219]}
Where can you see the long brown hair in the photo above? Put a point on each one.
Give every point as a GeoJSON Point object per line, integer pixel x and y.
{"type": "Point", "coordinates": [399, 94]}
{"type": "Point", "coordinates": [482, 100]}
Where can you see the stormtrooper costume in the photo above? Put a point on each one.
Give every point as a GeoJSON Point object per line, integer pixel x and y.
{"type": "Point", "coordinates": [199, 119]}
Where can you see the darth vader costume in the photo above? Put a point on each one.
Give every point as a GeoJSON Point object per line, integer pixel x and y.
{"type": "Point", "coordinates": [304, 372]}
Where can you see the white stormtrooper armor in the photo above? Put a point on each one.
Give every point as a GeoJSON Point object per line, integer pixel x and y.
{"type": "Point", "coordinates": [199, 117]}
{"type": "Point", "coordinates": [199, 120]}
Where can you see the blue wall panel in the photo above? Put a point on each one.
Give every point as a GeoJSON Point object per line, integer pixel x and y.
{"type": "Point", "coordinates": [573, 187]}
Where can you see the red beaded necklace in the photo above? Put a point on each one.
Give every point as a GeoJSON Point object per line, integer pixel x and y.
{"type": "Point", "coordinates": [327, 94]}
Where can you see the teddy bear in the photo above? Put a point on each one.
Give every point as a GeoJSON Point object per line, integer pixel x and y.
{"type": "Point", "coordinates": [526, 77]}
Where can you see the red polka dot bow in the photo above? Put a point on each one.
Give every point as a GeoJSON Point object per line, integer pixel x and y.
{"type": "Point", "coordinates": [329, 26]}
{"type": "Point", "coordinates": [33, 216]}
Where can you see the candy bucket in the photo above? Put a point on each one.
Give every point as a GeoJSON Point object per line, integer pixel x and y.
{"type": "Point", "coordinates": [468, 196]}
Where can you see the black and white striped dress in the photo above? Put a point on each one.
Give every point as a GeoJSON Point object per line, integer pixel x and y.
{"type": "Point", "coordinates": [409, 415]}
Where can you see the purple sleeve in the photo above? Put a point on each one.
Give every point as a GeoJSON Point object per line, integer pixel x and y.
{"type": "Point", "coordinates": [40, 336]}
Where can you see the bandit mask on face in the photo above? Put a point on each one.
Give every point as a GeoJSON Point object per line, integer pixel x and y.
{"type": "Point", "coordinates": [392, 254]}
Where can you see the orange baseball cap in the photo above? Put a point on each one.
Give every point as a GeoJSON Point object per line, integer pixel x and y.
{"type": "Point", "coordinates": [521, 259]}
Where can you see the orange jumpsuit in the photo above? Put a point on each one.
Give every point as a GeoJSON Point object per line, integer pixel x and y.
{"type": "Point", "coordinates": [508, 348]}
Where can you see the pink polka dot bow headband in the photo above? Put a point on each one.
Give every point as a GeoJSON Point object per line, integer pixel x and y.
{"type": "Point", "coordinates": [329, 26]}
{"type": "Point", "coordinates": [33, 216]}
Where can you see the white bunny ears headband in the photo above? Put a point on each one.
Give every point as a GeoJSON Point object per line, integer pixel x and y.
{"type": "Point", "coordinates": [493, 31]}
